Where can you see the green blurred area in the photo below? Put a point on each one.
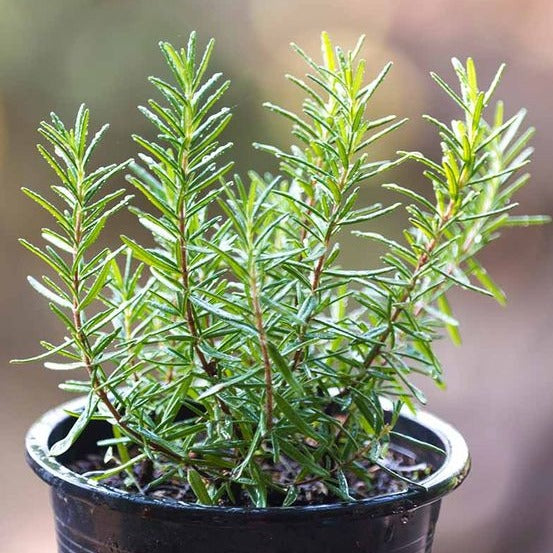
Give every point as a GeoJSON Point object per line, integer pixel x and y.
{"type": "Point", "coordinates": [56, 54]}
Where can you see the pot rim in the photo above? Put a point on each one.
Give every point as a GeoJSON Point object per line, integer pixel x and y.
{"type": "Point", "coordinates": [445, 479]}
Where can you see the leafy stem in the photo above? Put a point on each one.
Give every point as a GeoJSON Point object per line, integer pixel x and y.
{"type": "Point", "coordinates": [267, 364]}
{"type": "Point", "coordinates": [422, 261]}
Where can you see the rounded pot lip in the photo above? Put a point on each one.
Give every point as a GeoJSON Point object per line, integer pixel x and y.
{"type": "Point", "coordinates": [445, 479]}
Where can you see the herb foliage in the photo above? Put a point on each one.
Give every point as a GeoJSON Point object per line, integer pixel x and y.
{"type": "Point", "coordinates": [238, 343]}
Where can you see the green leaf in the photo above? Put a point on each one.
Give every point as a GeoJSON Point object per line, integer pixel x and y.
{"type": "Point", "coordinates": [80, 424]}
{"type": "Point", "coordinates": [487, 282]}
{"type": "Point", "coordinates": [526, 220]}
{"type": "Point", "coordinates": [96, 288]}
{"type": "Point", "coordinates": [94, 143]}
{"type": "Point", "coordinates": [328, 52]}
{"type": "Point", "coordinates": [63, 176]}
{"type": "Point", "coordinates": [53, 263]}
{"type": "Point", "coordinates": [51, 351]}
{"type": "Point", "coordinates": [451, 325]}
{"type": "Point", "coordinates": [151, 258]}
{"type": "Point", "coordinates": [369, 216]}
{"type": "Point", "coordinates": [64, 366]}
{"type": "Point", "coordinates": [291, 496]}
{"type": "Point", "coordinates": [284, 367]}
{"type": "Point", "coordinates": [343, 485]}
{"type": "Point", "coordinates": [305, 460]}
{"type": "Point", "coordinates": [463, 283]}
{"type": "Point", "coordinates": [158, 227]}
{"type": "Point", "coordinates": [220, 386]}
{"type": "Point", "coordinates": [366, 93]}
{"type": "Point", "coordinates": [151, 197]}
{"type": "Point", "coordinates": [49, 294]}
{"type": "Point", "coordinates": [411, 194]}
{"type": "Point", "coordinates": [202, 66]}
{"type": "Point", "coordinates": [198, 487]}
{"type": "Point", "coordinates": [214, 310]}
{"type": "Point", "coordinates": [46, 205]}
{"type": "Point", "coordinates": [103, 474]}
{"type": "Point", "coordinates": [254, 445]}
{"type": "Point", "coordinates": [449, 91]}
{"type": "Point", "coordinates": [81, 128]}
{"type": "Point", "coordinates": [294, 417]}
{"type": "Point", "coordinates": [494, 83]}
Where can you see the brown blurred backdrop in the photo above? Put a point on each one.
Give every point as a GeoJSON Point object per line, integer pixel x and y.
{"type": "Point", "coordinates": [56, 53]}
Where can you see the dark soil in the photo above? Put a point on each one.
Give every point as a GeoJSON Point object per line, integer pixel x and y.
{"type": "Point", "coordinates": [311, 492]}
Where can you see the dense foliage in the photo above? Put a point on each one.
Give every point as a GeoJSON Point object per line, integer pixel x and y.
{"type": "Point", "coordinates": [237, 344]}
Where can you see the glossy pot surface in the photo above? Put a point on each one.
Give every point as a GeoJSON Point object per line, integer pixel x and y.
{"type": "Point", "coordinates": [97, 519]}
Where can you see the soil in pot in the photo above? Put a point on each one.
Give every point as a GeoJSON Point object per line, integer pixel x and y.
{"type": "Point", "coordinates": [312, 492]}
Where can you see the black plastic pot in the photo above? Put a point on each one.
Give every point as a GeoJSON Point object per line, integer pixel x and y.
{"type": "Point", "coordinates": [99, 519]}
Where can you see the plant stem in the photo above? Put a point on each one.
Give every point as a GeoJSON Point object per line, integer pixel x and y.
{"type": "Point", "coordinates": [318, 270]}
{"type": "Point", "coordinates": [258, 315]}
{"type": "Point", "coordinates": [400, 307]}
{"type": "Point", "coordinates": [188, 308]}
{"type": "Point", "coordinates": [82, 340]}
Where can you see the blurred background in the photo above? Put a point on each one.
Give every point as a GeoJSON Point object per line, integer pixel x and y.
{"type": "Point", "coordinates": [55, 54]}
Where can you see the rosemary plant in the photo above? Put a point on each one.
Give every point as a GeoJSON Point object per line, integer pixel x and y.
{"type": "Point", "coordinates": [236, 356]}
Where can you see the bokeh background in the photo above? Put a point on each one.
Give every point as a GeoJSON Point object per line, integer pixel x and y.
{"type": "Point", "coordinates": [55, 54]}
